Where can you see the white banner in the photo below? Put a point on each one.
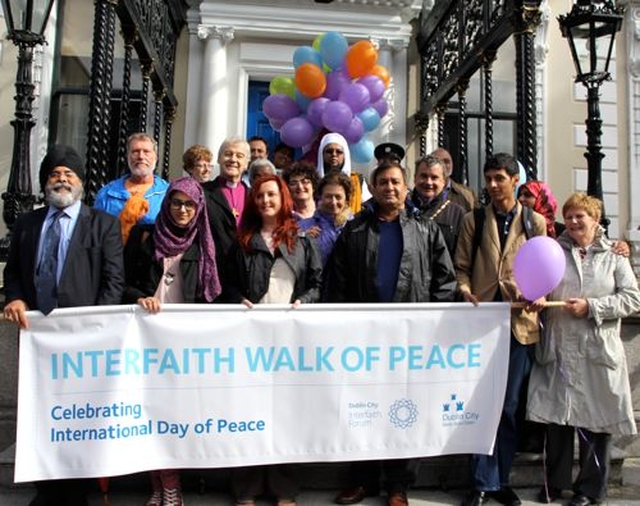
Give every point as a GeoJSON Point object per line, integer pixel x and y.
{"type": "Point", "coordinates": [113, 390]}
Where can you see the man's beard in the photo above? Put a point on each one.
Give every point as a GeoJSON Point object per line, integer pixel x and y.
{"type": "Point", "coordinates": [62, 199]}
{"type": "Point", "coordinates": [142, 171]}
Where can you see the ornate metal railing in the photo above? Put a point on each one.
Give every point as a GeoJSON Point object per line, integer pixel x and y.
{"type": "Point", "coordinates": [151, 29]}
{"type": "Point", "coordinates": [458, 38]}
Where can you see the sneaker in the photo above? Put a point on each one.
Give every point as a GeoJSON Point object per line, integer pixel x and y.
{"type": "Point", "coordinates": [172, 497]}
{"type": "Point", "coordinates": [155, 499]}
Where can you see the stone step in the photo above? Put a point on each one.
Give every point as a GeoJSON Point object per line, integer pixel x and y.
{"type": "Point", "coordinates": [444, 473]}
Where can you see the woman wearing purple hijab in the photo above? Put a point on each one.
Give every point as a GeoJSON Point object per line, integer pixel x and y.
{"type": "Point", "coordinates": [173, 261]}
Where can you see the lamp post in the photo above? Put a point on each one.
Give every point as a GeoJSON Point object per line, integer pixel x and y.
{"type": "Point", "coordinates": [591, 28]}
{"type": "Point", "coordinates": [26, 21]}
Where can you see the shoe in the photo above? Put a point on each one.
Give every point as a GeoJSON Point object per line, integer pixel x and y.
{"type": "Point", "coordinates": [351, 496]}
{"type": "Point", "coordinates": [505, 496]}
{"type": "Point", "coordinates": [582, 500]}
{"type": "Point", "coordinates": [155, 499]}
{"type": "Point", "coordinates": [286, 502]}
{"type": "Point", "coordinates": [475, 498]}
{"type": "Point", "coordinates": [547, 495]}
{"type": "Point", "coordinates": [172, 497]}
{"type": "Point", "coordinates": [398, 499]}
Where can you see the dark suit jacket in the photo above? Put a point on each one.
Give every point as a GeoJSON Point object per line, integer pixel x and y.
{"type": "Point", "coordinates": [93, 272]}
{"type": "Point", "coordinates": [221, 220]}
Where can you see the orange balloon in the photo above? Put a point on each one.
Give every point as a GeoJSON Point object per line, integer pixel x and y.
{"type": "Point", "coordinates": [382, 73]}
{"type": "Point", "coordinates": [310, 80]}
{"type": "Point", "coordinates": [361, 58]}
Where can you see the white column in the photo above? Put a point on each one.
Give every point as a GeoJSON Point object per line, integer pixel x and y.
{"type": "Point", "coordinates": [540, 55]}
{"type": "Point", "coordinates": [392, 54]}
{"type": "Point", "coordinates": [632, 24]}
{"type": "Point", "coordinates": [214, 91]}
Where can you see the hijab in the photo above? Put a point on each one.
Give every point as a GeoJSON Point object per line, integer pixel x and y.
{"type": "Point", "coordinates": [334, 138]}
{"type": "Point", "coordinates": [171, 239]}
{"type": "Point", "coordinates": [545, 203]}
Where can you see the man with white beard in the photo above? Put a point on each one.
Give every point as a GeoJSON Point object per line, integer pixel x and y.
{"type": "Point", "coordinates": [62, 255]}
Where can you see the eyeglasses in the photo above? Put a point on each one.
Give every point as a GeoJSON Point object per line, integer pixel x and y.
{"type": "Point", "coordinates": [299, 182]}
{"type": "Point", "coordinates": [189, 205]}
{"type": "Point", "coordinates": [331, 151]}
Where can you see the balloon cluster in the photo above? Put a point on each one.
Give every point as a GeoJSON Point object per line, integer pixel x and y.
{"type": "Point", "coordinates": [337, 87]}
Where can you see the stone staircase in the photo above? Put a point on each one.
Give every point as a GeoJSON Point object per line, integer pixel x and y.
{"type": "Point", "coordinates": [447, 472]}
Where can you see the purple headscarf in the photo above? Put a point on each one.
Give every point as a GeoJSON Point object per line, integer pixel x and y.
{"type": "Point", "coordinates": [171, 239]}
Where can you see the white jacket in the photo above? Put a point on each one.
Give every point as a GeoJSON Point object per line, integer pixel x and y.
{"type": "Point", "coordinates": [580, 375]}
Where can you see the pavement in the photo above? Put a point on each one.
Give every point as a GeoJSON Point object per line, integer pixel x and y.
{"type": "Point", "coordinates": [620, 496]}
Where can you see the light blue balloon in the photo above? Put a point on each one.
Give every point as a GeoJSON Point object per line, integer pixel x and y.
{"type": "Point", "coordinates": [362, 151]}
{"type": "Point", "coordinates": [333, 48]}
{"type": "Point", "coordinates": [302, 101]}
{"type": "Point", "coordinates": [370, 118]}
{"type": "Point", "coordinates": [306, 54]}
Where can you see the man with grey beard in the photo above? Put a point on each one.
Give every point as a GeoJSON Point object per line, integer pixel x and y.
{"type": "Point", "coordinates": [62, 255]}
{"type": "Point", "coordinates": [88, 267]}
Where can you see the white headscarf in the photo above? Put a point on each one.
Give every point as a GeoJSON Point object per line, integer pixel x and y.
{"type": "Point", "coordinates": [334, 138]}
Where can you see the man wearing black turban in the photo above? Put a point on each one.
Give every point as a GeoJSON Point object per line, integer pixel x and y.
{"type": "Point", "coordinates": [62, 255]}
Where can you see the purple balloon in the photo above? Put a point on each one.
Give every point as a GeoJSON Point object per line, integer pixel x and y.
{"type": "Point", "coordinates": [276, 124]}
{"type": "Point", "coordinates": [354, 131]}
{"type": "Point", "coordinates": [315, 110]}
{"type": "Point", "coordinates": [375, 85]}
{"type": "Point", "coordinates": [297, 132]}
{"type": "Point", "coordinates": [382, 106]}
{"type": "Point", "coordinates": [337, 116]}
{"type": "Point", "coordinates": [356, 96]}
{"type": "Point", "coordinates": [281, 107]}
{"type": "Point", "coordinates": [538, 267]}
{"type": "Point", "coordinates": [336, 80]}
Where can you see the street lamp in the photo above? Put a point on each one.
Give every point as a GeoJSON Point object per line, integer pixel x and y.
{"type": "Point", "coordinates": [26, 21]}
{"type": "Point", "coordinates": [591, 28]}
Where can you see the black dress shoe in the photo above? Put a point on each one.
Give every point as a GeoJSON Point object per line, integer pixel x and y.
{"type": "Point", "coordinates": [505, 496]}
{"type": "Point", "coordinates": [582, 500]}
{"type": "Point", "coordinates": [352, 495]}
{"type": "Point", "coordinates": [475, 498]}
{"type": "Point", "coordinates": [547, 495]}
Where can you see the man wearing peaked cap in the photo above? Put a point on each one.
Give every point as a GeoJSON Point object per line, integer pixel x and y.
{"type": "Point", "coordinates": [62, 255]}
{"type": "Point", "coordinates": [389, 151]}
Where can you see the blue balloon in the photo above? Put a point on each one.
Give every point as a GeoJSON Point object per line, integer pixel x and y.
{"type": "Point", "coordinates": [302, 101]}
{"type": "Point", "coordinates": [370, 118]}
{"type": "Point", "coordinates": [362, 151]}
{"type": "Point", "coordinates": [333, 48]}
{"type": "Point", "coordinates": [306, 54]}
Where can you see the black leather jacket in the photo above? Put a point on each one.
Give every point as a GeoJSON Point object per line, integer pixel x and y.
{"type": "Point", "coordinates": [426, 270]}
{"type": "Point", "coordinates": [248, 272]}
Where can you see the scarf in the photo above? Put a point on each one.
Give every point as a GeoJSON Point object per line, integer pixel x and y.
{"type": "Point", "coordinates": [171, 239]}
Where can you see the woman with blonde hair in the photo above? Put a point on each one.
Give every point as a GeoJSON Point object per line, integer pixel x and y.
{"type": "Point", "coordinates": [580, 381]}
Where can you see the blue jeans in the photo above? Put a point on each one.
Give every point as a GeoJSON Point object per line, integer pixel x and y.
{"type": "Point", "coordinates": [491, 472]}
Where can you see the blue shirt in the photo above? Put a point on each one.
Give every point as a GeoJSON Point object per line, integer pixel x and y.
{"type": "Point", "coordinates": [389, 255]}
{"type": "Point", "coordinates": [68, 222]}
{"type": "Point", "coordinates": [112, 197]}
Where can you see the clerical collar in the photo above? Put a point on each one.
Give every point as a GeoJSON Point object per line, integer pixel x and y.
{"type": "Point", "coordinates": [229, 184]}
